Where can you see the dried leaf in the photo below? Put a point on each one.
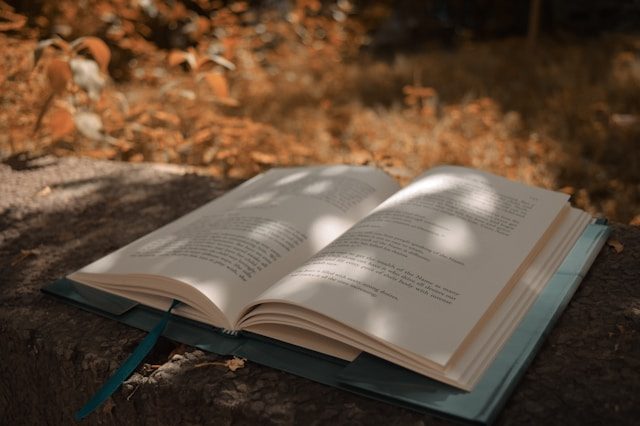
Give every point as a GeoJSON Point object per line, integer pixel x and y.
{"type": "Point", "coordinates": [239, 6]}
{"type": "Point", "coordinates": [624, 120]}
{"type": "Point", "coordinates": [166, 117]}
{"type": "Point", "coordinates": [218, 84]}
{"type": "Point", "coordinates": [107, 407]}
{"type": "Point", "coordinates": [179, 350]}
{"type": "Point", "coordinates": [178, 57]}
{"type": "Point", "coordinates": [122, 145]}
{"type": "Point", "coordinates": [222, 61]}
{"type": "Point", "coordinates": [230, 102]}
{"type": "Point", "coordinates": [264, 158]}
{"type": "Point", "coordinates": [205, 63]}
{"type": "Point", "coordinates": [361, 156]}
{"type": "Point", "coordinates": [97, 48]}
{"type": "Point", "coordinates": [616, 245]}
{"type": "Point", "coordinates": [175, 57]}
{"type": "Point", "coordinates": [60, 123]}
{"type": "Point", "coordinates": [204, 25]}
{"type": "Point", "coordinates": [43, 110]}
{"type": "Point", "coordinates": [12, 21]}
{"type": "Point", "coordinates": [23, 255]}
{"type": "Point", "coordinates": [197, 26]}
{"type": "Point", "coordinates": [58, 73]}
{"type": "Point", "coordinates": [232, 364]}
{"type": "Point", "coordinates": [209, 154]}
{"type": "Point", "coordinates": [569, 190]}
{"type": "Point", "coordinates": [203, 135]}
{"type": "Point", "coordinates": [86, 74]}
{"type": "Point", "coordinates": [44, 191]}
{"type": "Point", "coordinates": [136, 158]}
{"type": "Point", "coordinates": [56, 43]}
{"type": "Point", "coordinates": [225, 154]}
{"type": "Point", "coordinates": [89, 124]}
{"type": "Point", "coordinates": [235, 363]}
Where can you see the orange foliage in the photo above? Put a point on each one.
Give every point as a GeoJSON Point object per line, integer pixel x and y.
{"type": "Point", "coordinates": [236, 89]}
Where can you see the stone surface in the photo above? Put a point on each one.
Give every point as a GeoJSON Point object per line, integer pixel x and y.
{"type": "Point", "coordinates": [57, 215]}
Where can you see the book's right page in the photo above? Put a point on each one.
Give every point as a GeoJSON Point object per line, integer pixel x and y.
{"type": "Point", "coordinates": [426, 267]}
{"type": "Point", "coordinates": [382, 380]}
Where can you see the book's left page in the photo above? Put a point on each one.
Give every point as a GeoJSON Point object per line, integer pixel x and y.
{"type": "Point", "coordinates": [219, 257]}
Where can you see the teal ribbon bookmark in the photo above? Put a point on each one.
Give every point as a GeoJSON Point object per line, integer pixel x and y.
{"type": "Point", "coordinates": [127, 367]}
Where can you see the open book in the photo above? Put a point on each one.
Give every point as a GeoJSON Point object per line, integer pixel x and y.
{"type": "Point", "coordinates": [433, 277]}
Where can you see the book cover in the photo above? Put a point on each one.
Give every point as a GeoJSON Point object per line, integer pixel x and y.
{"type": "Point", "coordinates": [367, 374]}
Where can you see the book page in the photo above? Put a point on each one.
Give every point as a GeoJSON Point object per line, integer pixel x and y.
{"type": "Point", "coordinates": [233, 248]}
{"type": "Point", "coordinates": [423, 268]}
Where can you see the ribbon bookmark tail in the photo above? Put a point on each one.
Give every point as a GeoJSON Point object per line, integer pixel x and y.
{"type": "Point", "coordinates": [127, 367]}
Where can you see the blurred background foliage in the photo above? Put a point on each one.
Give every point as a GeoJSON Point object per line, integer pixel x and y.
{"type": "Point", "coordinates": [545, 92]}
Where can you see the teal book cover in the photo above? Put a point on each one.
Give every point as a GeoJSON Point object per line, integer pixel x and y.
{"type": "Point", "coordinates": [369, 375]}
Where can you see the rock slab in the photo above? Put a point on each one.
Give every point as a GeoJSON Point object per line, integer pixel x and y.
{"type": "Point", "coordinates": [57, 215]}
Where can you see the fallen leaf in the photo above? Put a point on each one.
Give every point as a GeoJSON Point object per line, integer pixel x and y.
{"type": "Point", "coordinates": [225, 154]}
{"type": "Point", "coordinates": [197, 26]}
{"type": "Point", "coordinates": [239, 6]}
{"type": "Point", "coordinates": [89, 124]}
{"type": "Point", "coordinates": [60, 123]}
{"type": "Point", "coordinates": [230, 102]}
{"type": "Point", "coordinates": [86, 74]}
{"type": "Point", "coordinates": [232, 364]}
{"type": "Point", "coordinates": [361, 156]}
{"type": "Point", "coordinates": [97, 48]}
{"type": "Point", "coordinates": [107, 407]}
{"type": "Point", "coordinates": [624, 120]}
{"type": "Point", "coordinates": [203, 26]}
{"type": "Point", "coordinates": [179, 350]}
{"type": "Point", "coordinates": [218, 84]}
{"type": "Point", "coordinates": [616, 245]}
{"type": "Point", "coordinates": [122, 145]}
{"type": "Point", "coordinates": [209, 154]}
{"type": "Point", "coordinates": [263, 158]}
{"type": "Point", "coordinates": [136, 158]}
{"type": "Point", "coordinates": [166, 117]}
{"type": "Point", "coordinates": [23, 255]}
{"type": "Point", "coordinates": [203, 135]}
{"type": "Point", "coordinates": [175, 57]}
{"type": "Point", "coordinates": [12, 21]}
{"type": "Point", "coordinates": [235, 363]}
{"type": "Point", "coordinates": [222, 61]}
{"type": "Point", "coordinates": [59, 73]}
{"type": "Point", "coordinates": [178, 57]}
{"type": "Point", "coordinates": [44, 191]}
{"type": "Point", "coordinates": [569, 190]}
{"type": "Point", "coordinates": [55, 42]}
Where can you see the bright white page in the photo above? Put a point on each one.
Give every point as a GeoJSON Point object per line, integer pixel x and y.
{"type": "Point", "coordinates": [233, 248]}
{"type": "Point", "coordinates": [423, 268]}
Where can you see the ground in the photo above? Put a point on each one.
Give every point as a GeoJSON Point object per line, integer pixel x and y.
{"type": "Point", "coordinates": [237, 88]}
